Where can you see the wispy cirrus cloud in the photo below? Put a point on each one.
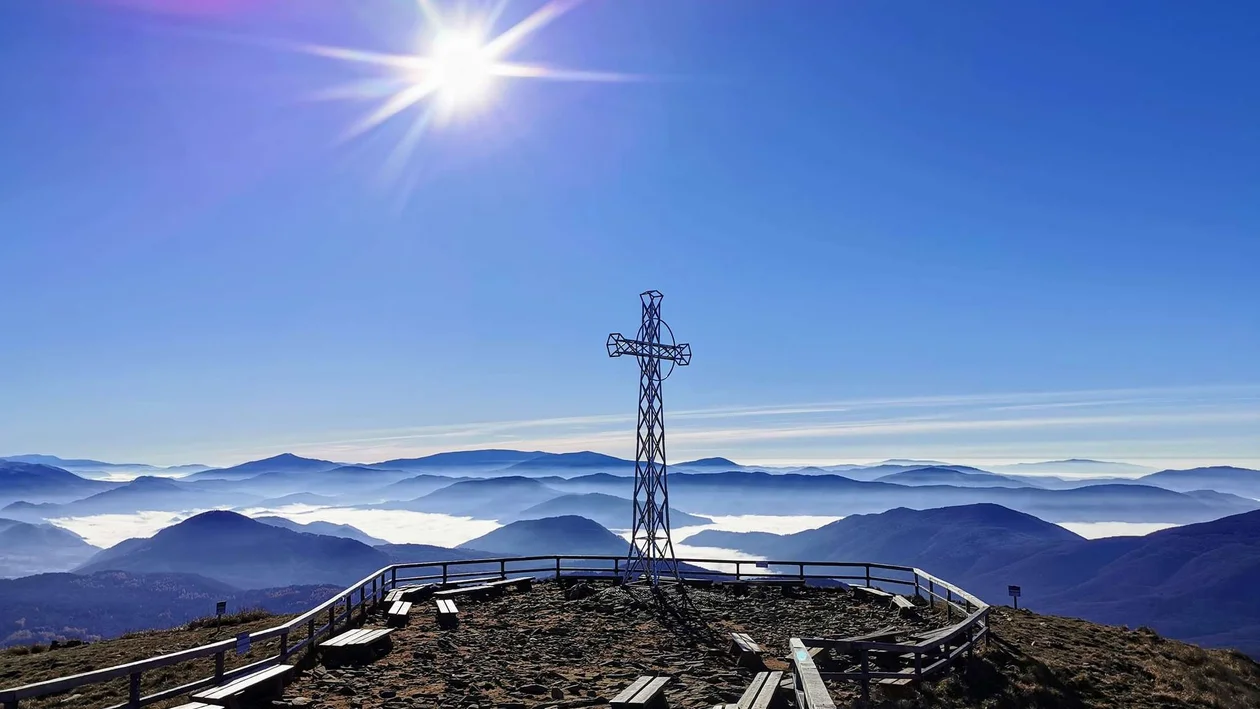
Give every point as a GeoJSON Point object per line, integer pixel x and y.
{"type": "Point", "coordinates": [1124, 423]}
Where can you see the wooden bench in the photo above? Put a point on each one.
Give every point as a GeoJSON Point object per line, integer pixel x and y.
{"type": "Point", "coordinates": [396, 616]}
{"type": "Point", "coordinates": [447, 613]}
{"type": "Point", "coordinates": [492, 588]}
{"type": "Point", "coordinates": [747, 651]}
{"type": "Point", "coordinates": [362, 645]}
{"type": "Point", "coordinates": [265, 682]}
{"type": "Point", "coordinates": [455, 583]}
{"type": "Point", "coordinates": [644, 692]}
{"type": "Point", "coordinates": [395, 596]}
{"type": "Point", "coordinates": [898, 681]}
{"type": "Point", "coordinates": [196, 705]}
{"type": "Point", "coordinates": [904, 605]}
{"type": "Point", "coordinates": [760, 694]}
{"type": "Point", "coordinates": [873, 593]}
{"type": "Point", "coordinates": [811, 692]}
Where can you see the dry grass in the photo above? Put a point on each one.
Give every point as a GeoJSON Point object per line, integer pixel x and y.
{"type": "Point", "coordinates": [1052, 662]}
{"type": "Point", "coordinates": [17, 668]}
{"type": "Point", "coordinates": [1034, 661]}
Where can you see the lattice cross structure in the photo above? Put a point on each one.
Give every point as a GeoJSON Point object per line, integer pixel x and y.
{"type": "Point", "coordinates": [651, 559]}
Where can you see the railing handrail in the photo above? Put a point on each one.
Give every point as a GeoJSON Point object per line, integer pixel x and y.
{"type": "Point", "coordinates": [10, 696]}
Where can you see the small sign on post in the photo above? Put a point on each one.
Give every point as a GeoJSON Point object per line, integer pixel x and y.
{"type": "Point", "coordinates": [219, 609]}
{"type": "Point", "coordinates": [242, 643]}
{"type": "Point", "coordinates": [1014, 591]}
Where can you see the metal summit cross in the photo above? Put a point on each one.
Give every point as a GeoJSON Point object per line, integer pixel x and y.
{"type": "Point", "coordinates": [651, 554]}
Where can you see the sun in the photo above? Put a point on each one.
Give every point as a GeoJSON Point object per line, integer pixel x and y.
{"type": "Point", "coordinates": [460, 68]}
{"type": "Point", "coordinates": [458, 71]}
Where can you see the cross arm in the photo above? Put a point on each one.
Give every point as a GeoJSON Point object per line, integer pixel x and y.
{"type": "Point", "coordinates": [618, 346]}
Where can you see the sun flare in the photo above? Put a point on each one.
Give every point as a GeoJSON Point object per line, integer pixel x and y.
{"type": "Point", "coordinates": [458, 71]}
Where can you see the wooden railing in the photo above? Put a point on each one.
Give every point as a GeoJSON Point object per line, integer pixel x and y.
{"type": "Point", "coordinates": [338, 612]}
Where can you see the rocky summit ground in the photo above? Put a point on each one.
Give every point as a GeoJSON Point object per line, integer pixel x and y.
{"type": "Point", "coordinates": [539, 649]}
{"type": "Point", "coordinates": [536, 649]}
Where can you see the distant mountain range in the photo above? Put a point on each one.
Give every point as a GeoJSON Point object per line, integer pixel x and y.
{"type": "Point", "coordinates": [732, 493]}
{"type": "Point", "coordinates": [241, 552]}
{"type": "Point", "coordinates": [555, 535]}
{"type": "Point", "coordinates": [327, 529]}
{"type": "Point", "coordinates": [608, 510]}
{"type": "Point", "coordinates": [27, 549]}
{"type": "Point", "coordinates": [938, 475]}
{"type": "Point", "coordinates": [493, 498]}
{"type": "Point", "coordinates": [1190, 582]}
{"type": "Point", "coordinates": [36, 482]}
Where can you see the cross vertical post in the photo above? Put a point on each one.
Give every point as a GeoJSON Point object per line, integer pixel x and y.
{"type": "Point", "coordinates": [651, 557]}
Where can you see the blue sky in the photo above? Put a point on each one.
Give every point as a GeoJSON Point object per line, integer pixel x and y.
{"type": "Point", "coordinates": [954, 212]}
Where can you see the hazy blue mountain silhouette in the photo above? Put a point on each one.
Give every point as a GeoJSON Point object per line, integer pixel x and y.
{"type": "Point", "coordinates": [1221, 478]}
{"type": "Point", "coordinates": [715, 463]}
{"type": "Point", "coordinates": [418, 485]}
{"type": "Point", "coordinates": [107, 604]}
{"type": "Point", "coordinates": [298, 498]}
{"type": "Point", "coordinates": [27, 549]}
{"type": "Point", "coordinates": [285, 462]}
{"type": "Point", "coordinates": [736, 492]}
{"type": "Point", "coordinates": [328, 529]}
{"type": "Point", "coordinates": [948, 541]}
{"type": "Point", "coordinates": [569, 534]}
{"type": "Point", "coordinates": [67, 463]}
{"type": "Point", "coordinates": [491, 498]}
{"type": "Point", "coordinates": [152, 493]}
{"type": "Point", "coordinates": [334, 481]}
{"type": "Point", "coordinates": [239, 551]}
{"type": "Point", "coordinates": [35, 483]}
{"type": "Point", "coordinates": [936, 475]}
{"type": "Point", "coordinates": [560, 462]}
{"type": "Point", "coordinates": [463, 461]}
{"type": "Point", "coordinates": [608, 510]}
{"type": "Point", "coordinates": [1074, 467]}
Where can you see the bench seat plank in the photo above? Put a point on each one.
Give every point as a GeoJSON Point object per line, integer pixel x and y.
{"type": "Point", "coordinates": [220, 694]}
{"type": "Point", "coordinates": [811, 691]}
{"type": "Point", "coordinates": [761, 691]}
{"type": "Point", "coordinates": [643, 692]}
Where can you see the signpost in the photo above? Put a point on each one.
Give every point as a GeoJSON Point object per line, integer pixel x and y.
{"type": "Point", "coordinates": [219, 609]}
{"type": "Point", "coordinates": [1014, 591]}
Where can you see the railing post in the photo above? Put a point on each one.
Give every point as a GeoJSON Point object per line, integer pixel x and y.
{"type": "Point", "coordinates": [557, 568]}
{"type": "Point", "coordinates": [133, 691]}
{"type": "Point", "coordinates": [917, 592]}
{"type": "Point", "coordinates": [363, 603]}
{"type": "Point", "coordinates": [800, 569]}
{"type": "Point", "coordinates": [332, 619]}
{"type": "Point", "coordinates": [376, 600]}
{"type": "Point", "coordinates": [310, 635]}
{"type": "Point", "coordinates": [931, 594]}
{"type": "Point", "coordinates": [918, 665]}
{"type": "Point", "coordinates": [502, 568]}
{"type": "Point", "coordinates": [444, 572]}
{"type": "Point", "coordinates": [737, 572]}
{"type": "Point", "coordinates": [393, 577]}
{"type": "Point", "coordinates": [868, 575]}
{"type": "Point", "coordinates": [218, 667]}
{"type": "Point", "coordinates": [284, 646]}
{"type": "Point", "coordinates": [949, 605]}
